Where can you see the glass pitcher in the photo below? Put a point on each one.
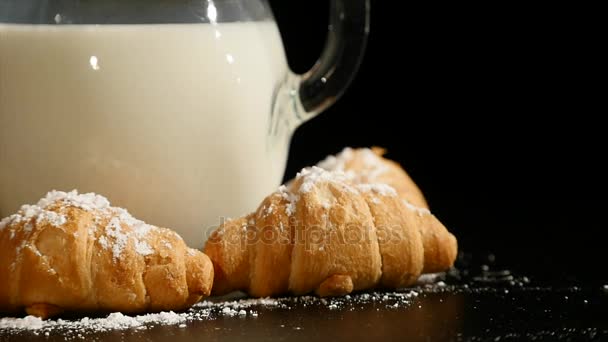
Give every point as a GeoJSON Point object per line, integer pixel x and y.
{"type": "Point", "coordinates": [180, 111]}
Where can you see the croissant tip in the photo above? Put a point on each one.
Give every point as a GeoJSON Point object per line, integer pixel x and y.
{"type": "Point", "coordinates": [379, 151]}
{"type": "Point", "coordinates": [335, 285]}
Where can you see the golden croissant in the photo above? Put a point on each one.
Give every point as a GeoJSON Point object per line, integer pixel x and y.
{"type": "Point", "coordinates": [74, 252]}
{"type": "Point", "coordinates": [328, 233]}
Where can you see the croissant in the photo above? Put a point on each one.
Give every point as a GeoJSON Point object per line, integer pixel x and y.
{"type": "Point", "coordinates": [74, 252]}
{"type": "Point", "coordinates": [328, 234]}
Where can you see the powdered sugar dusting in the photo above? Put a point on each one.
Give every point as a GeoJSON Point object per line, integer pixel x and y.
{"type": "Point", "coordinates": [378, 188]}
{"type": "Point", "coordinates": [28, 213]}
{"type": "Point", "coordinates": [240, 304]}
{"type": "Point", "coordinates": [310, 177]}
{"type": "Point", "coordinates": [143, 248]}
{"type": "Point", "coordinates": [115, 235]}
{"type": "Point", "coordinates": [29, 323]}
{"type": "Point", "coordinates": [203, 311]}
{"type": "Point", "coordinates": [373, 166]}
{"type": "Point", "coordinates": [114, 230]}
{"type": "Point", "coordinates": [103, 241]}
{"type": "Point", "coordinates": [430, 278]}
{"type": "Point", "coordinates": [119, 321]}
{"type": "Point", "coordinates": [24, 221]}
{"type": "Point", "coordinates": [292, 198]}
{"type": "Point", "coordinates": [418, 210]}
{"type": "Point", "coordinates": [114, 321]}
{"type": "Point", "coordinates": [337, 162]}
{"type": "Point", "coordinates": [267, 211]}
{"type": "Point", "coordinates": [88, 202]}
{"type": "Point", "coordinates": [314, 175]}
{"type": "Point", "coordinates": [123, 227]}
{"type": "Point", "coordinates": [5, 222]}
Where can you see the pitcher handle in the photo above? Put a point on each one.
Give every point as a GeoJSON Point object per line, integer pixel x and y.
{"type": "Point", "coordinates": [301, 97]}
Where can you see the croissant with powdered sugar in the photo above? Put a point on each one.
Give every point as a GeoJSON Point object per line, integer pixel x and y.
{"type": "Point", "coordinates": [74, 252]}
{"type": "Point", "coordinates": [332, 232]}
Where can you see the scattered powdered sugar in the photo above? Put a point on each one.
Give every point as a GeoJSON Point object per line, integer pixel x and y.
{"type": "Point", "coordinates": [143, 248]}
{"type": "Point", "coordinates": [292, 198]}
{"type": "Point", "coordinates": [88, 202]}
{"type": "Point", "coordinates": [420, 211]}
{"type": "Point", "coordinates": [41, 215]}
{"type": "Point", "coordinates": [221, 310]}
{"type": "Point", "coordinates": [310, 177]}
{"type": "Point", "coordinates": [29, 323]}
{"type": "Point", "coordinates": [103, 241]}
{"type": "Point", "coordinates": [337, 162]}
{"type": "Point", "coordinates": [314, 175]}
{"type": "Point", "coordinates": [115, 236]}
{"type": "Point", "coordinates": [267, 211]}
{"type": "Point", "coordinates": [142, 229]}
{"type": "Point", "coordinates": [430, 278]}
{"type": "Point", "coordinates": [378, 188]}
{"type": "Point", "coordinates": [229, 311]}
{"type": "Point", "coordinates": [390, 300]}
{"type": "Point", "coordinates": [331, 172]}
{"type": "Point", "coordinates": [5, 222]}
{"type": "Point", "coordinates": [114, 321]}
{"type": "Point", "coordinates": [373, 164]}
{"type": "Point", "coordinates": [38, 214]}
{"type": "Point", "coordinates": [203, 311]}
{"type": "Point", "coordinates": [114, 230]}
{"type": "Point", "coordinates": [117, 321]}
{"type": "Point", "coordinates": [240, 304]}
{"type": "Point", "coordinates": [24, 221]}
{"type": "Point", "coordinates": [326, 204]}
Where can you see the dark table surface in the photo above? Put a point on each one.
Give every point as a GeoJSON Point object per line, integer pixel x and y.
{"type": "Point", "coordinates": [475, 302]}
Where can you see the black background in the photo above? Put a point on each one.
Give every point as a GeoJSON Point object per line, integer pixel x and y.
{"type": "Point", "coordinates": [494, 111]}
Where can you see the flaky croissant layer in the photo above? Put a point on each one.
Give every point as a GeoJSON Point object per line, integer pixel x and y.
{"type": "Point", "coordinates": [74, 252]}
{"type": "Point", "coordinates": [330, 234]}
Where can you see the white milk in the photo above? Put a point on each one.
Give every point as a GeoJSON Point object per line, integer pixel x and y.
{"type": "Point", "coordinates": [168, 121]}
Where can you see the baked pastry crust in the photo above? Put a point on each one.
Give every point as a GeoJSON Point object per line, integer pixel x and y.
{"type": "Point", "coordinates": [74, 252]}
{"type": "Point", "coordinates": [331, 233]}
